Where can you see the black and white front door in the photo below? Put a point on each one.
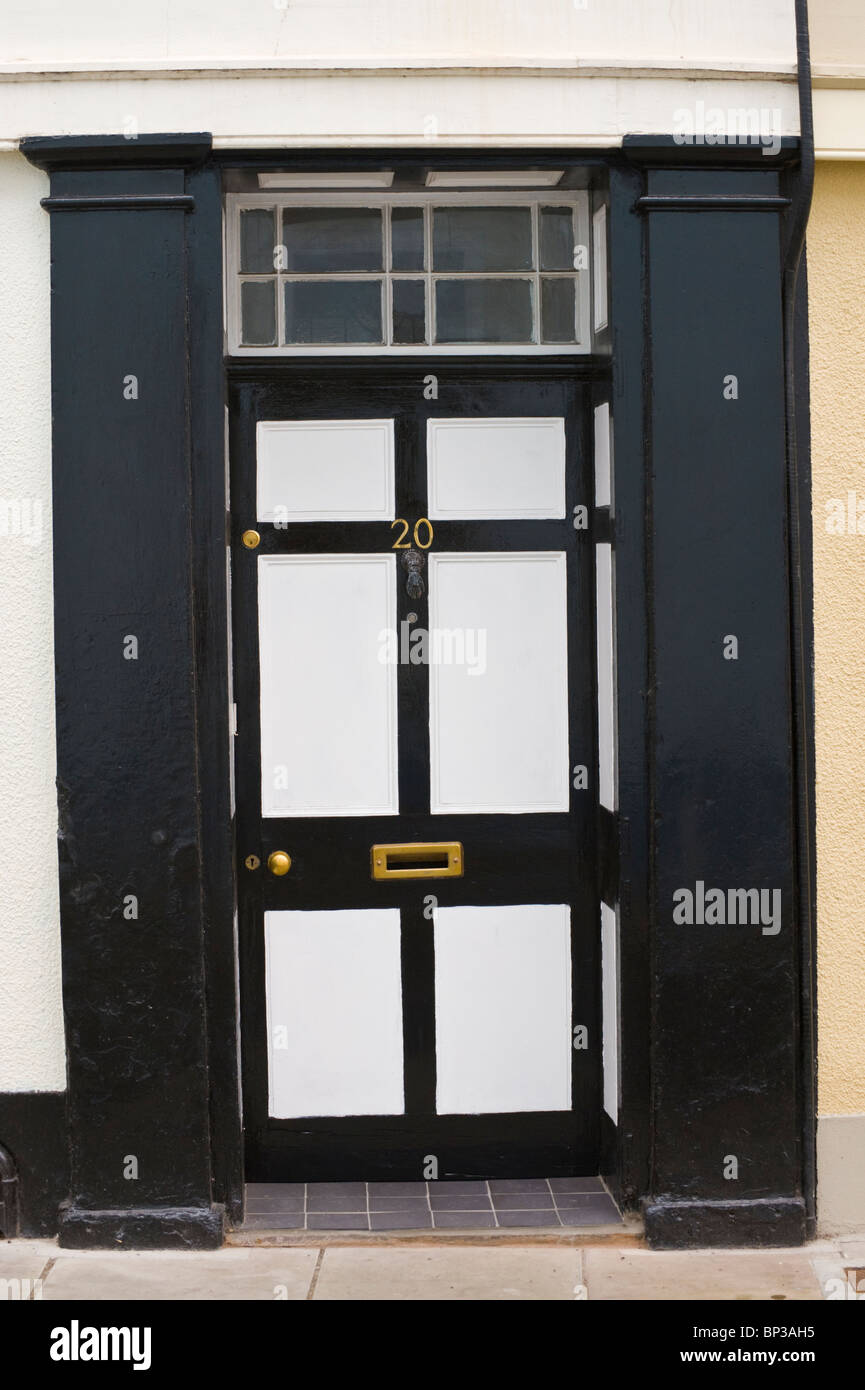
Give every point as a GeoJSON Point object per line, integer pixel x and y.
{"type": "Point", "coordinates": [414, 678]}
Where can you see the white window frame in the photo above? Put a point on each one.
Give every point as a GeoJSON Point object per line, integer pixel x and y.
{"type": "Point", "coordinates": [534, 199]}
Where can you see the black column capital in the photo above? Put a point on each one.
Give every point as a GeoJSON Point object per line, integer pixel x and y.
{"type": "Point", "coordinates": [55, 152]}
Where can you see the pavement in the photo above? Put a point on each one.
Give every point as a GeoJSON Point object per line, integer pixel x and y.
{"type": "Point", "coordinates": [464, 1270]}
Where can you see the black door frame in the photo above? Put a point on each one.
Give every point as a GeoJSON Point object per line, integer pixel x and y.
{"type": "Point", "coordinates": [553, 1144]}
{"type": "Point", "coordinates": [666, 205]}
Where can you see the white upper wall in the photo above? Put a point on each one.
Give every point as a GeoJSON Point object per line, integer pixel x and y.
{"type": "Point", "coordinates": [745, 34]}
{"type": "Point", "coordinates": [31, 1036]}
{"type": "Point", "coordinates": [284, 73]}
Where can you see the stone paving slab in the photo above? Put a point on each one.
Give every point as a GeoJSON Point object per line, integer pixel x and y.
{"type": "Point", "coordinates": [483, 1273]}
{"type": "Point", "coordinates": [398, 1271]}
{"type": "Point", "coordinates": [23, 1260]}
{"type": "Point", "coordinates": [699, 1274]}
{"type": "Point", "coordinates": [163, 1275]}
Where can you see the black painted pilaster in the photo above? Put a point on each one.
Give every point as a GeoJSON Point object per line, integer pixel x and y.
{"type": "Point", "coordinates": [725, 1059]}
{"type": "Point", "coordinates": [133, 903]}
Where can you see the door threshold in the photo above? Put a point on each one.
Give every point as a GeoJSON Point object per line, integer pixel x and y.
{"type": "Point", "coordinates": [627, 1234]}
{"type": "Point", "coordinates": [545, 1211]}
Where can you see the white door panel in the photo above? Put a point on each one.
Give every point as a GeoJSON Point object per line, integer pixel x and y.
{"type": "Point", "coordinates": [496, 468]}
{"type": "Point", "coordinates": [328, 704]}
{"type": "Point", "coordinates": [334, 1013]}
{"type": "Point", "coordinates": [499, 726]}
{"type": "Point", "coordinates": [503, 1009]}
{"type": "Point", "coordinates": [325, 470]}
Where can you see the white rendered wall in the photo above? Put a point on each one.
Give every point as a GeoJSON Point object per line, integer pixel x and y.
{"type": "Point", "coordinates": [313, 72]}
{"type": "Point", "coordinates": [686, 33]}
{"type": "Point", "coordinates": [383, 109]}
{"type": "Point", "coordinates": [32, 1054]}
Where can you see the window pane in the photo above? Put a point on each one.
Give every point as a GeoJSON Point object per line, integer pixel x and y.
{"type": "Point", "coordinates": [483, 311]}
{"type": "Point", "coordinates": [406, 238]}
{"type": "Point", "coordinates": [468, 238]}
{"type": "Point", "coordinates": [256, 241]}
{"type": "Point", "coordinates": [258, 313]}
{"type": "Point", "coordinates": [319, 240]}
{"type": "Point", "coordinates": [557, 239]}
{"type": "Point", "coordinates": [335, 311]}
{"type": "Point", "coordinates": [408, 311]}
{"type": "Point", "coordinates": [557, 311]}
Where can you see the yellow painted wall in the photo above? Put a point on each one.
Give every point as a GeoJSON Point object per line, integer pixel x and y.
{"type": "Point", "coordinates": [836, 273]}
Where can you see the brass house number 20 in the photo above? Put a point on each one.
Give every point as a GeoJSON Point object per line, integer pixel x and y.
{"type": "Point", "coordinates": [402, 544]}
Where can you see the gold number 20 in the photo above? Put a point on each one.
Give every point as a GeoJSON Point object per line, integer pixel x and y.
{"type": "Point", "coordinates": [402, 544]}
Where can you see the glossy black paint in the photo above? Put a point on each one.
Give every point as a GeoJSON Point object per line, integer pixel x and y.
{"type": "Point", "coordinates": [33, 1131]}
{"type": "Point", "coordinates": [725, 1046]}
{"type": "Point", "coordinates": [626, 1148]}
{"type": "Point", "coordinates": [688, 1078]}
{"type": "Point", "coordinates": [128, 753]}
{"type": "Point", "coordinates": [210, 626]}
{"type": "Point", "coordinates": [534, 858]}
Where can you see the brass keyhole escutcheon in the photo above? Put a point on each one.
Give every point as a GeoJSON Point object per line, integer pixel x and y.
{"type": "Point", "coordinates": [251, 539]}
{"type": "Point", "coordinates": [279, 862]}
{"type": "Point", "coordinates": [252, 861]}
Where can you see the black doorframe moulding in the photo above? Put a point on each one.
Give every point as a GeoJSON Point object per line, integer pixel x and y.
{"type": "Point", "coordinates": [144, 747]}
{"type": "Point", "coordinates": [388, 1147]}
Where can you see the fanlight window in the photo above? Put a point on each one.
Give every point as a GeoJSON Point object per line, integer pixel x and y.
{"type": "Point", "coordinates": [408, 273]}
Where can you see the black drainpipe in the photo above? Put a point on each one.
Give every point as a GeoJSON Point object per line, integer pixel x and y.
{"type": "Point", "coordinates": [802, 676]}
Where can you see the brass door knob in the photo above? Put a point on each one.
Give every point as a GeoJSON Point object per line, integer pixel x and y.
{"type": "Point", "coordinates": [279, 862]}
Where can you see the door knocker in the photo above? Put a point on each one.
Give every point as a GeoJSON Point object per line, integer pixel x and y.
{"type": "Point", "coordinates": [413, 562]}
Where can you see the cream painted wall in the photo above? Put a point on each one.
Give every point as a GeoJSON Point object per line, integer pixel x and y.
{"type": "Point", "coordinates": [836, 274]}
{"type": "Point", "coordinates": [31, 1020]}
{"type": "Point", "coordinates": [746, 33]}
{"type": "Point", "coordinates": [387, 108]}
{"type": "Point", "coordinates": [837, 32]}
{"type": "Point", "coordinates": [333, 72]}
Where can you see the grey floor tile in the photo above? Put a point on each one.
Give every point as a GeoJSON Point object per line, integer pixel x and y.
{"type": "Point", "coordinates": [337, 1221]}
{"type": "Point", "coordinates": [459, 1187]}
{"type": "Point", "coordinates": [465, 1220]}
{"type": "Point", "coordinates": [447, 1201]}
{"type": "Point", "coordinates": [527, 1218]}
{"type": "Point", "coordinates": [324, 1202]}
{"type": "Point", "coordinates": [288, 1201]}
{"type": "Point", "coordinates": [274, 1221]}
{"type": "Point", "coordinates": [591, 1211]}
{"type": "Point", "coordinates": [274, 1189]}
{"type": "Point", "coordinates": [397, 1189]}
{"type": "Point", "coordinates": [523, 1201]}
{"type": "Point", "coordinates": [337, 1189]}
{"type": "Point", "coordinates": [398, 1203]}
{"type": "Point", "coordinates": [401, 1220]}
{"type": "Point", "coordinates": [577, 1185]}
{"type": "Point", "coordinates": [503, 1186]}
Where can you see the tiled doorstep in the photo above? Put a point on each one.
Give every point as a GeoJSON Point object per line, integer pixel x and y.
{"type": "Point", "coordinates": [500, 1204]}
